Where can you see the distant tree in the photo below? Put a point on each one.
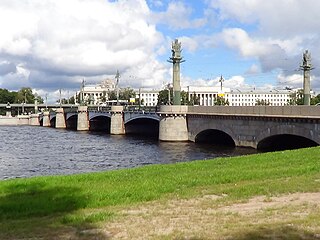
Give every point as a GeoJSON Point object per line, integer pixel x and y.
{"type": "Point", "coordinates": [194, 100]}
{"type": "Point", "coordinates": [315, 100]}
{"type": "Point", "coordinates": [103, 98]}
{"type": "Point", "coordinates": [39, 98]}
{"type": "Point", "coordinates": [163, 97]}
{"type": "Point", "coordinates": [25, 95]}
{"type": "Point", "coordinates": [124, 94]}
{"type": "Point", "coordinates": [296, 98]}
{"type": "Point", "coordinates": [262, 102]}
{"type": "Point", "coordinates": [72, 100]}
{"type": "Point", "coordinates": [112, 95]}
{"type": "Point", "coordinates": [221, 101]}
{"type": "Point", "coordinates": [6, 96]}
{"type": "Point", "coordinates": [127, 93]}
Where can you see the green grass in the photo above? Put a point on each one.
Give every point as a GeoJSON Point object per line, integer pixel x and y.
{"type": "Point", "coordinates": [64, 201]}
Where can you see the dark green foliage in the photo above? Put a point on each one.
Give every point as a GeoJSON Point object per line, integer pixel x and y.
{"type": "Point", "coordinates": [220, 101]}
{"type": "Point", "coordinates": [124, 94]}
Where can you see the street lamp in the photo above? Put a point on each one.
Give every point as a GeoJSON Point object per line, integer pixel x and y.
{"type": "Point", "coordinates": [117, 85]}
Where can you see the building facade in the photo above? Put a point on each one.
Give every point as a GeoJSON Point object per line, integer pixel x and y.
{"type": "Point", "coordinates": [199, 95]}
{"type": "Point", "coordinates": [148, 97]}
{"type": "Point", "coordinates": [259, 97]}
{"type": "Point", "coordinates": [97, 94]}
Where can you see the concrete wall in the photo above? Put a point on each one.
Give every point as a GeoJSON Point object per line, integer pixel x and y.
{"type": "Point", "coordinates": [13, 121]}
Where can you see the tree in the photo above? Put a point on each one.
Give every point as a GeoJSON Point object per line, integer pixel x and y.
{"type": "Point", "coordinates": [163, 97]}
{"type": "Point", "coordinates": [194, 100]}
{"type": "Point", "coordinates": [6, 96]}
{"type": "Point", "coordinates": [296, 98]}
{"type": "Point", "coordinates": [127, 93]}
{"type": "Point", "coordinates": [25, 95]}
{"type": "Point", "coordinates": [261, 102]}
{"type": "Point", "coordinates": [124, 94]}
{"type": "Point", "coordinates": [221, 101]}
{"type": "Point", "coordinates": [315, 100]}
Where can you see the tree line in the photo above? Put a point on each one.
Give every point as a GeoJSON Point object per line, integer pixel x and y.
{"type": "Point", "coordinates": [24, 95]}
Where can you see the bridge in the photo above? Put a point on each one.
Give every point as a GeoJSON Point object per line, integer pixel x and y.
{"type": "Point", "coordinates": [260, 127]}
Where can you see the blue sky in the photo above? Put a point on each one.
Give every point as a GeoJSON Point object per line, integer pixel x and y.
{"type": "Point", "coordinates": [53, 44]}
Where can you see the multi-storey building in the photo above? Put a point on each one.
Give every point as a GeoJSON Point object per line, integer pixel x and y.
{"type": "Point", "coordinates": [259, 97]}
{"type": "Point", "coordinates": [204, 96]}
{"type": "Point", "coordinates": [96, 94]}
{"type": "Point", "coordinates": [148, 97]}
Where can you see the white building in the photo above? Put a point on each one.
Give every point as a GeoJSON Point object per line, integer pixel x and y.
{"type": "Point", "coordinates": [206, 95]}
{"type": "Point", "coordinates": [148, 97]}
{"type": "Point", "coordinates": [97, 94]}
{"type": "Point", "coordinates": [256, 97]}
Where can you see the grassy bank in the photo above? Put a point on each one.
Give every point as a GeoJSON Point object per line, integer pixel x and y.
{"type": "Point", "coordinates": [47, 206]}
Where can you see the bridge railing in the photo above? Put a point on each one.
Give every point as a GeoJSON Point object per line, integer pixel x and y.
{"type": "Point", "coordinates": [99, 108]}
{"type": "Point", "coordinates": [135, 108]}
{"type": "Point", "coordinates": [290, 111]}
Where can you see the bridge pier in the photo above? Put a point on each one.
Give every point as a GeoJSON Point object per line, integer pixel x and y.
{"type": "Point", "coordinates": [83, 119]}
{"type": "Point", "coordinates": [34, 120]}
{"type": "Point", "coordinates": [117, 122]}
{"type": "Point", "coordinates": [173, 123]}
{"type": "Point", "coordinates": [60, 118]}
{"type": "Point", "coordinates": [46, 119]}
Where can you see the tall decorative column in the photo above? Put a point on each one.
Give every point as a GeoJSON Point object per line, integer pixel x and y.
{"type": "Point", "coordinates": [117, 122]}
{"type": "Point", "coordinates": [83, 119]}
{"type": "Point", "coordinates": [306, 67]}
{"type": "Point", "coordinates": [176, 59]}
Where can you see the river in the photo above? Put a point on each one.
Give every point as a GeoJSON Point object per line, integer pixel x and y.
{"type": "Point", "coordinates": [27, 151]}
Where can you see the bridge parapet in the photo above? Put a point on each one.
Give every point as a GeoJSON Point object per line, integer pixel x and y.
{"type": "Point", "coordinates": [261, 111]}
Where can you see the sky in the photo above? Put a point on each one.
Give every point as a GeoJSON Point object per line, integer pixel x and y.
{"type": "Point", "coordinates": [254, 44]}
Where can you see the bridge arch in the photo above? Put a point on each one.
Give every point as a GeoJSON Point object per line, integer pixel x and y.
{"type": "Point", "coordinates": [72, 121]}
{"type": "Point", "coordinates": [284, 137]}
{"type": "Point", "coordinates": [143, 125]}
{"type": "Point", "coordinates": [141, 116]}
{"type": "Point", "coordinates": [100, 122]}
{"type": "Point", "coordinates": [216, 137]}
{"type": "Point", "coordinates": [53, 121]}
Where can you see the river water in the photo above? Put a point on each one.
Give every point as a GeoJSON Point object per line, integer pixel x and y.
{"type": "Point", "coordinates": [27, 151]}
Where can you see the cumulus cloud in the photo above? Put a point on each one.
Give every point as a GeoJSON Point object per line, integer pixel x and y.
{"type": "Point", "coordinates": [274, 33]}
{"type": "Point", "coordinates": [178, 16]}
{"type": "Point", "coordinates": [58, 42]}
{"type": "Point", "coordinates": [285, 18]}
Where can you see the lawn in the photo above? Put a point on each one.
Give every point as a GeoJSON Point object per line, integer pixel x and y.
{"type": "Point", "coordinates": [79, 206]}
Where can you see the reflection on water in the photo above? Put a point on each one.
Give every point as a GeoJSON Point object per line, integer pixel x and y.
{"type": "Point", "coordinates": [32, 151]}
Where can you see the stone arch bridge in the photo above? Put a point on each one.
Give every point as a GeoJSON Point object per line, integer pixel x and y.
{"type": "Point", "coordinates": [257, 127]}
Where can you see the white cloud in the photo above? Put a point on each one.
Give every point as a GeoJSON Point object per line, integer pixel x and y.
{"type": "Point", "coordinates": [177, 16]}
{"type": "Point", "coordinates": [254, 69]}
{"type": "Point", "coordinates": [283, 18]}
{"type": "Point", "coordinates": [59, 41]}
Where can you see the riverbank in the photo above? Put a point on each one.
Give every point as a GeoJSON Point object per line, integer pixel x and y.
{"type": "Point", "coordinates": [271, 195]}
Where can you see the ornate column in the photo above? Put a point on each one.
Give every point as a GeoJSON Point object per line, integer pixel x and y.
{"type": "Point", "coordinates": [176, 59]}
